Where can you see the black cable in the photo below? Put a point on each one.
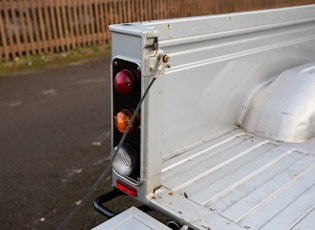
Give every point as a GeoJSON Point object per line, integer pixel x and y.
{"type": "Point", "coordinates": [108, 166]}
{"type": "Point", "coordinates": [122, 139]}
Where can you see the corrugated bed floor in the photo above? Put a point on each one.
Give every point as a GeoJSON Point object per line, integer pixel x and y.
{"type": "Point", "coordinates": [248, 180]}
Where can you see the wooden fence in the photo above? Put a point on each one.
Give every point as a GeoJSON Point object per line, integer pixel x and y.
{"type": "Point", "coordinates": [43, 26]}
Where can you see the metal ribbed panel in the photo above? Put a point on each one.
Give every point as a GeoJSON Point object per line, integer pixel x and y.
{"type": "Point", "coordinates": [249, 180]}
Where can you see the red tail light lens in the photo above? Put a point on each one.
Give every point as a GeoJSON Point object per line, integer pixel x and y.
{"type": "Point", "coordinates": [122, 120]}
{"type": "Point", "coordinates": [126, 188]}
{"type": "Point", "coordinates": [124, 82]}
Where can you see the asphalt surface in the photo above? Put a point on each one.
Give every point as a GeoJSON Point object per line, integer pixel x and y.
{"type": "Point", "coordinates": [54, 144]}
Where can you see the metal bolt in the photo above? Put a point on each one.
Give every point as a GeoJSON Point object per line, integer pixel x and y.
{"type": "Point", "coordinates": [165, 58]}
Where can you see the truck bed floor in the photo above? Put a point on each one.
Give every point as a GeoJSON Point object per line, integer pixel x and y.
{"type": "Point", "coordinates": [242, 181]}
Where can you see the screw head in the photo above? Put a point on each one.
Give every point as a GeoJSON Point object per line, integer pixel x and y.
{"type": "Point", "coordinates": [165, 58]}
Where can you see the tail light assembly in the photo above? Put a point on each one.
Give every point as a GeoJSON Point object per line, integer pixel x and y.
{"type": "Point", "coordinates": [126, 91]}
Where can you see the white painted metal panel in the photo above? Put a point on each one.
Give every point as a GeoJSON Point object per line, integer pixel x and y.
{"type": "Point", "coordinates": [306, 221]}
{"type": "Point", "coordinates": [249, 180]}
{"type": "Point", "coordinates": [210, 79]}
{"type": "Point", "coordinates": [132, 218]}
{"type": "Point", "coordinates": [284, 110]}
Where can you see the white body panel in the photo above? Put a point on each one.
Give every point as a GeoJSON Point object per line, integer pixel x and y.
{"type": "Point", "coordinates": [243, 180]}
{"type": "Point", "coordinates": [132, 218]}
{"type": "Point", "coordinates": [223, 145]}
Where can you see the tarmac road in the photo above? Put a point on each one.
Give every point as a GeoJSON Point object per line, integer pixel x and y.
{"type": "Point", "coordinates": [54, 144]}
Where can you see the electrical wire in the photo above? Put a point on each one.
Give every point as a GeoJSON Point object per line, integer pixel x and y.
{"type": "Point", "coordinates": [108, 166]}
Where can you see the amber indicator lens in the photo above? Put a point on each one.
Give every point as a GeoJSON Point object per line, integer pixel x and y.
{"type": "Point", "coordinates": [124, 82]}
{"type": "Point", "coordinates": [122, 120]}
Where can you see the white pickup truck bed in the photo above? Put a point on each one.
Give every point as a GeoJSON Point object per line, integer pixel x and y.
{"type": "Point", "coordinates": [241, 180]}
{"type": "Point", "coordinates": [237, 83]}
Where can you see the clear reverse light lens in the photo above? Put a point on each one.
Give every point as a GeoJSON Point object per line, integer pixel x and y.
{"type": "Point", "coordinates": [122, 162]}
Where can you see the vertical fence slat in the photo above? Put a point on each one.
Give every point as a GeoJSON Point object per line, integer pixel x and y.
{"type": "Point", "coordinates": [35, 24]}
{"type": "Point", "coordinates": [129, 11]}
{"type": "Point", "coordinates": [114, 12]}
{"type": "Point", "coordinates": [53, 22]}
{"type": "Point", "coordinates": [87, 12]}
{"type": "Point", "coordinates": [93, 16]}
{"type": "Point", "coordinates": [17, 38]}
{"type": "Point", "coordinates": [65, 25]}
{"type": "Point", "coordinates": [71, 23]}
{"type": "Point", "coordinates": [49, 26]}
{"type": "Point", "coordinates": [30, 29]}
{"type": "Point", "coordinates": [145, 13]}
{"type": "Point", "coordinates": [152, 10]}
{"type": "Point", "coordinates": [4, 48]}
{"type": "Point", "coordinates": [81, 22]}
{"type": "Point", "coordinates": [23, 24]}
{"type": "Point", "coordinates": [61, 41]}
{"type": "Point", "coordinates": [119, 16]}
{"type": "Point", "coordinates": [107, 18]}
{"type": "Point", "coordinates": [76, 23]}
{"type": "Point", "coordinates": [96, 16]}
{"type": "Point", "coordinates": [103, 20]}
{"type": "Point", "coordinates": [103, 32]}
{"type": "Point", "coordinates": [141, 10]}
{"type": "Point", "coordinates": [134, 12]}
{"type": "Point", "coordinates": [42, 27]}
{"type": "Point", "coordinates": [7, 25]}
{"type": "Point", "coordinates": [87, 22]}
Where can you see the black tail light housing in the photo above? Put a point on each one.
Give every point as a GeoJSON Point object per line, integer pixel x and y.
{"type": "Point", "coordinates": [126, 91]}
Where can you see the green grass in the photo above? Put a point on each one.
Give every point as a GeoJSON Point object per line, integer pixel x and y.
{"type": "Point", "coordinates": [52, 59]}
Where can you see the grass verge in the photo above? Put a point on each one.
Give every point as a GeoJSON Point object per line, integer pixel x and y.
{"type": "Point", "coordinates": [52, 59]}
